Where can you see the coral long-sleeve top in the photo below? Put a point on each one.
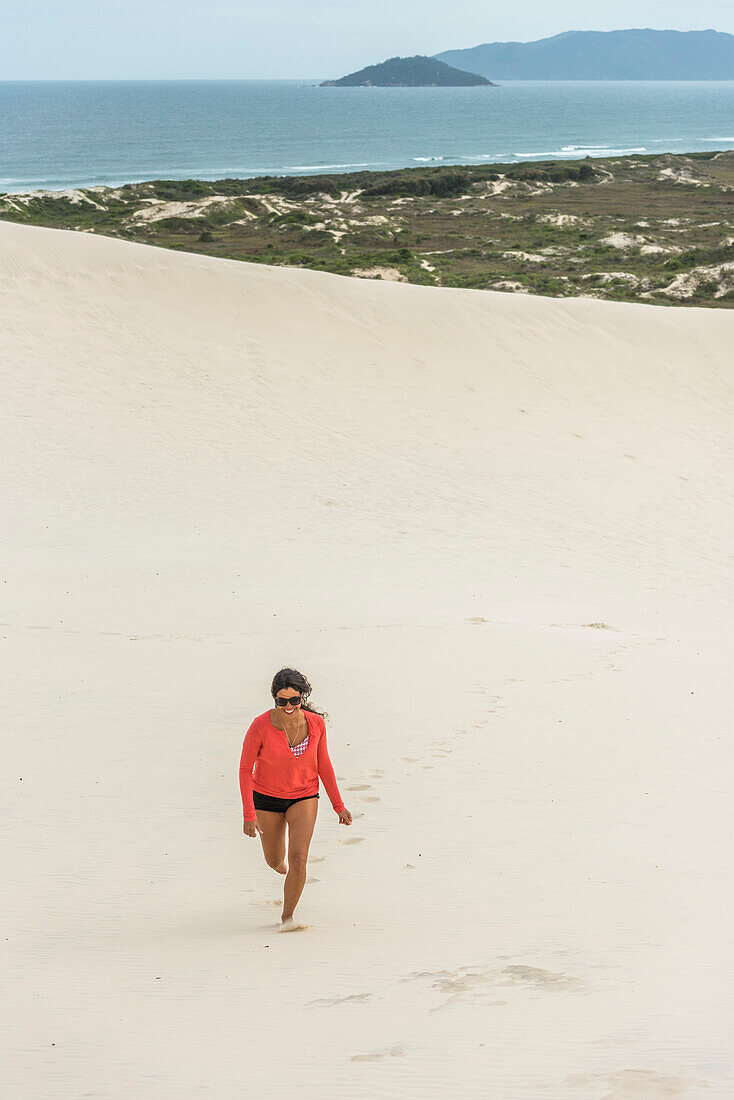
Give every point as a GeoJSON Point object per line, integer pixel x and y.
{"type": "Point", "coordinates": [268, 764]}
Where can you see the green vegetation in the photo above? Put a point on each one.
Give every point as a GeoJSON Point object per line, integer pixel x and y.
{"type": "Point", "coordinates": [443, 182]}
{"type": "Point", "coordinates": [655, 228]}
{"type": "Point", "coordinates": [551, 171]}
{"type": "Point", "coordinates": [408, 72]}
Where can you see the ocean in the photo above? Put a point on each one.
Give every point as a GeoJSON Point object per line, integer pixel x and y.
{"type": "Point", "coordinates": [57, 135]}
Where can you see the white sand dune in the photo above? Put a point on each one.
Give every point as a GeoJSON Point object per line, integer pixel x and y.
{"type": "Point", "coordinates": [495, 533]}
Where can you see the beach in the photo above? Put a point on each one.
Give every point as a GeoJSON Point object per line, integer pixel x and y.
{"type": "Point", "coordinates": [494, 532]}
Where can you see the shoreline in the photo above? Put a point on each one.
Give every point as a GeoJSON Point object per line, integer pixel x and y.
{"type": "Point", "coordinates": [306, 172]}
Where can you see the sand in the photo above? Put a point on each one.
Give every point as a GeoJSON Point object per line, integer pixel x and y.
{"type": "Point", "coordinates": [494, 531]}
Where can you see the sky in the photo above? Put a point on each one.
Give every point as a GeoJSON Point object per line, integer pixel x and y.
{"type": "Point", "coordinates": [300, 39]}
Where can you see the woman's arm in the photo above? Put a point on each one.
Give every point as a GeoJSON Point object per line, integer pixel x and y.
{"type": "Point", "coordinates": [326, 772]}
{"type": "Point", "coordinates": [250, 749]}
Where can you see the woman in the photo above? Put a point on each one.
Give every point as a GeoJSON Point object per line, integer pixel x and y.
{"type": "Point", "coordinates": [287, 747]}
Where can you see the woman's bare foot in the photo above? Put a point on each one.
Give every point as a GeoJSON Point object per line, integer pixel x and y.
{"type": "Point", "coordinates": [282, 868]}
{"type": "Point", "coordinates": [290, 924]}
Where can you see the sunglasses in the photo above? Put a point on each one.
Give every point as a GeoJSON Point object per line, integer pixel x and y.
{"type": "Point", "coordinates": [292, 702]}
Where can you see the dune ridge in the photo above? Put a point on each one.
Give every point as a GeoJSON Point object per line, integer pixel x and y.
{"type": "Point", "coordinates": [494, 531]}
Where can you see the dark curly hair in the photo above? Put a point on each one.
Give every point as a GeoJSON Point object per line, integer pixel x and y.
{"type": "Point", "coordinates": [291, 678]}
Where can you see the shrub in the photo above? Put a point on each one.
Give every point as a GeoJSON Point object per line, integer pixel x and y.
{"type": "Point", "coordinates": [178, 225]}
{"type": "Point", "coordinates": [550, 172]}
{"type": "Point", "coordinates": [180, 189]}
{"type": "Point", "coordinates": [442, 183]}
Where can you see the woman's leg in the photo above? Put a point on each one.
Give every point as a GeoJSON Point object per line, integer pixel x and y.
{"type": "Point", "coordinates": [301, 818]}
{"type": "Point", "coordinates": [273, 839]}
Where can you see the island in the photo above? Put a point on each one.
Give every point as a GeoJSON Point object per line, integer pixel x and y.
{"type": "Point", "coordinates": [409, 72]}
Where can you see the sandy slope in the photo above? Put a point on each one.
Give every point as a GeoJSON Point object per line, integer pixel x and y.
{"type": "Point", "coordinates": [423, 499]}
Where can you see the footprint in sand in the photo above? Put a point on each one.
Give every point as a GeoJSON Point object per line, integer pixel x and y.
{"type": "Point", "coordinates": [396, 1052]}
{"type": "Point", "coordinates": [310, 880]}
{"type": "Point", "coordinates": [535, 975]}
{"type": "Point", "coordinates": [316, 859]}
{"type": "Point", "coordinates": [361, 787]}
{"type": "Point", "coordinates": [352, 840]}
{"type": "Point", "coordinates": [476, 983]}
{"type": "Point", "coordinates": [339, 1000]}
{"type": "Point", "coordinates": [639, 1084]}
{"type": "Point", "coordinates": [370, 798]}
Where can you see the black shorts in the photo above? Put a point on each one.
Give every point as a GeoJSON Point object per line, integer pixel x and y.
{"type": "Point", "coordinates": [276, 805]}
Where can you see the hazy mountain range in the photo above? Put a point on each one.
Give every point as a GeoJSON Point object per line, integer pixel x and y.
{"type": "Point", "coordinates": [603, 55]}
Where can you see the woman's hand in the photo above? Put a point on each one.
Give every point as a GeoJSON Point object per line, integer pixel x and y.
{"type": "Point", "coordinates": [345, 818]}
{"type": "Point", "coordinates": [251, 828]}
